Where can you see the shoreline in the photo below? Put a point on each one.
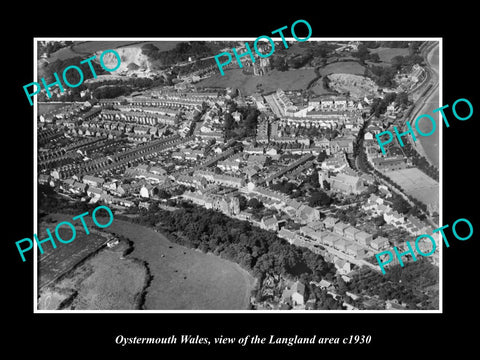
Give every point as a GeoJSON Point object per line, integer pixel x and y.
{"type": "Point", "coordinates": [429, 146]}
{"type": "Point", "coordinates": [431, 142]}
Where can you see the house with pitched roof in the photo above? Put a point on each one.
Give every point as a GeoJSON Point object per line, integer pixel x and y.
{"type": "Point", "coordinates": [94, 192]}
{"type": "Point", "coordinates": [286, 234]}
{"type": "Point", "coordinates": [340, 227]}
{"type": "Point", "coordinates": [330, 239]}
{"type": "Point", "coordinates": [363, 238]}
{"type": "Point", "coordinates": [380, 243]}
{"type": "Point", "coordinates": [93, 180]}
{"type": "Point", "coordinates": [350, 232]}
{"type": "Point", "coordinates": [343, 266]}
{"type": "Point", "coordinates": [393, 217]}
{"type": "Point", "coordinates": [269, 223]}
{"type": "Point", "coordinates": [341, 245]}
{"type": "Point", "coordinates": [330, 222]}
{"type": "Point", "coordinates": [355, 250]}
{"type": "Point", "coordinates": [307, 214]}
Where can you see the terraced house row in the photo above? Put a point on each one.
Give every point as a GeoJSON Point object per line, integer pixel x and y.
{"type": "Point", "coordinates": [165, 99]}
{"type": "Point", "coordinates": [121, 160]}
{"type": "Point", "coordinates": [138, 117]}
{"type": "Point", "coordinates": [74, 152]}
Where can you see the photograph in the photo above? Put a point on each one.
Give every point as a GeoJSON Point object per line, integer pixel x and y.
{"type": "Point", "coordinates": [237, 182]}
{"type": "Point", "coordinates": [246, 179]}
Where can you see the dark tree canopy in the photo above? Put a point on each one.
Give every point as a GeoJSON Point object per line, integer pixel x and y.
{"type": "Point", "coordinates": [319, 198]}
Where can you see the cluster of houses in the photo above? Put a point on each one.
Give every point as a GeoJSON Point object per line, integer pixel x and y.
{"type": "Point", "coordinates": [166, 99]}
{"type": "Point", "coordinates": [147, 184]}
{"type": "Point", "coordinates": [343, 237]}
{"type": "Point", "coordinates": [324, 111]}
{"type": "Point", "coordinates": [229, 205]}
{"type": "Point", "coordinates": [72, 110]}
{"type": "Point", "coordinates": [380, 207]}
{"type": "Point", "coordinates": [121, 160]}
{"type": "Point", "coordinates": [211, 126]}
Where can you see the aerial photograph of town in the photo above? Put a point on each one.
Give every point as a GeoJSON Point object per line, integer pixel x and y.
{"type": "Point", "coordinates": [262, 189]}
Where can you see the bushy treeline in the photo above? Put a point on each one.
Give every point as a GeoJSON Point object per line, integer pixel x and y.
{"type": "Point", "coordinates": [181, 52]}
{"type": "Point", "coordinates": [254, 249]}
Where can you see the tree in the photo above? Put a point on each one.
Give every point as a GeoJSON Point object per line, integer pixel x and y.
{"type": "Point", "coordinates": [326, 185]}
{"type": "Point", "coordinates": [319, 198]}
{"type": "Point", "coordinates": [250, 120]}
{"type": "Point", "coordinates": [362, 53]}
{"type": "Point", "coordinates": [342, 286]}
{"type": "Point", "coordinates": [255, 203]}
{"type": "Point", "coordinates": [163, 194]}
{"type": "Point", "coordinates": [242, 202]}
{"type": "Point", "coordinates": [379, 220]}
{"type": "Point", "coordinates": [326, 82]}
{"type": "Point", "coordinates": [313, 180]}
{"type": "Point", "coordinates": [229, 122]}
{"type": "Point", "coordinates": [402, 98]}
{"type": "Point", "coordinates": [322, 156]}
{"type": "Point", "coordinates": [279, 63]}
{"type": "Point", "coordinates": [397, 62]}
{"type": "Point", "coordinates": [372, 189]}
{"type": "Point", "coordinates": [374, 57]}
{"type": "Point", "coordinates": [400, 205]}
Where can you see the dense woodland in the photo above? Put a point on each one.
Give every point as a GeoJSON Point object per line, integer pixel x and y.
{"type": "Point", "coordinates": [384, 75]}
{"type": "Point", "coordinates": [183, 51]}
{"type": "Point", "coordinates": [258, 251]}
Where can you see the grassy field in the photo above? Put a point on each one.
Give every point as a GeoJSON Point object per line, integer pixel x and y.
{"type": "Point", "coordinates": [186, 279]}
{"type": "Point", "coordinates": [386, 54]}
{"type": "Point", "coordinates": [86, 48]}
{"type": "Point", "coordinates": [44, 108]}
{"type": "Point", "coordinates": [417, 184]}
{"type": "Point", "coordinates": [182, 278]}
{"type": "Point", "coordinates": [343, 67]}
{"type": "Point", "coordinates": [247, 84]}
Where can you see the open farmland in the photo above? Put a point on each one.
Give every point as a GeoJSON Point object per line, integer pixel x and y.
{"type": "Point", "coordinates": [247, 84]}
{"type": "Point", "coordinates": [44, 108]}
{"type": "Point", "coordinates": [88, 48]}
{"type": "Point", "coordinates": [387, 54]}
{"type": "Point", "coordinates": [343, 67]}
{"type": "Point", "coordinates": [183, 278]}
{"type": "Point", "coordinates": [417, 184]}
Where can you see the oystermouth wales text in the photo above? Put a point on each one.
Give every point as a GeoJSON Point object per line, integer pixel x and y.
{"type": "Point", "coordinates": [243, 340]}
